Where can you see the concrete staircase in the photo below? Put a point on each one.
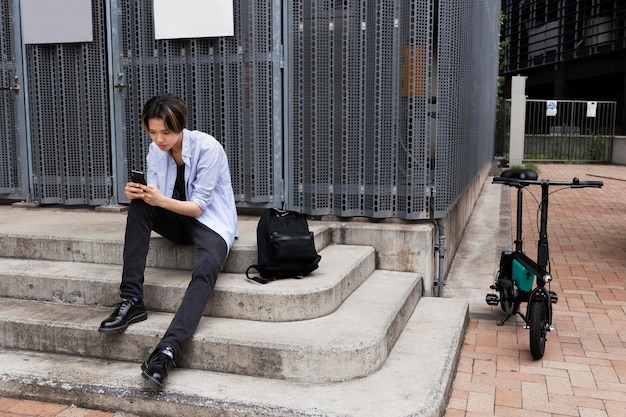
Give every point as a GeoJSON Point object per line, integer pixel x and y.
{"type": "Point", "coordinates": [349, 340]}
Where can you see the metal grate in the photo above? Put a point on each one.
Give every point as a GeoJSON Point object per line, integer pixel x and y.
{"type": "Point", "coordinates": [8, 142]}
{"type": "Point", "coordinates": [572, 134]}
{"type": "Point", "coordinates": [69, 120]}
{"type": "Point", "coordinates": [359, 83]}
{"type": "Point", "coordinates": [466, 96]}
{"type": "Point", "coordinates": [227, 84]}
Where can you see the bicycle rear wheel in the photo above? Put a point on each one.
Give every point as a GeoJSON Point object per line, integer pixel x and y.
{"type": "Point", "coordinates": [507, 297]}
{"type": "Point", "coordinates": [538, 325]}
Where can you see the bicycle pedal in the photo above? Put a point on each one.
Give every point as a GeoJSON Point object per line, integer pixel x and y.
{"type": "Point", "coordinates": [492, 299]}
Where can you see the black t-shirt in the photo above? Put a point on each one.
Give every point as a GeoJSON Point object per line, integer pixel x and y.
{"type": "Point", "coordinates": [179, 186]}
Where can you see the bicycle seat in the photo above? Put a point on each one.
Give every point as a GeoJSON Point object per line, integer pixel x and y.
{"type": "Point", "coordinates": [519, 174]}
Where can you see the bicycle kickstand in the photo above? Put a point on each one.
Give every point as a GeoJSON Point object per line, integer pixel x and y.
{"type": "Point", "coordinates": [501, 322]}
{"type": "Point", "coordinates": [518, 312]}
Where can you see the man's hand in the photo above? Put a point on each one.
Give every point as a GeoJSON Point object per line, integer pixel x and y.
{"type": "Point", "coordinates": [134, 190]}
{"type": "Point", "coordinates": [152, 195]}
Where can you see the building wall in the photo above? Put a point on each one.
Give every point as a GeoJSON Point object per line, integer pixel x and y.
{"type": "Point", "coordinates": [568, 49]}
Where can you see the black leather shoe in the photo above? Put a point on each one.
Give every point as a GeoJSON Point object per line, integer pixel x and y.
{"type": "Point", "coordinates": [155, 368]}
{"type": "Point", "coordinates": [126, 313]}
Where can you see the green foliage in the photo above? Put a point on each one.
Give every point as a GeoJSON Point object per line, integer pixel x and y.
{"type": "Point", "coordinates": [501, 145]}
{"type": "Point", "coordinates": [598, 148]}
{"type": "Point", "coordinates": [526, 165]}
{"type": "Point", "coordinates": [502, 62]}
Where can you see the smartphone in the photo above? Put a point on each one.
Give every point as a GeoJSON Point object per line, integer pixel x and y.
{"type": "Point", "coordinates": [138, 177]}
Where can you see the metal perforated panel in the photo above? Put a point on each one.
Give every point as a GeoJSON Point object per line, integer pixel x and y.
{"type": "Point", "coordinates": [9, 177]}
{"type": "Point", "coordinates": [359, 85]}
{"type": "Point", "coordinates": [228, 84]}
{"type": "Point", "coordinates": [69, 121]}
{"type": "Point", "coordinates": [466, 74]}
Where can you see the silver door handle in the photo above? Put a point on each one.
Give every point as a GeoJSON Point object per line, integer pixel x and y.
{"type": "Point", "coordinates": [121, 87]}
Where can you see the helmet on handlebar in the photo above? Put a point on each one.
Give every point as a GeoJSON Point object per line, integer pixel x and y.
{"type": "Point", "coordinates": [520, 174]}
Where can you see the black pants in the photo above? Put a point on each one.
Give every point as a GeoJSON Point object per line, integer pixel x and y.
{"type": "Point", "coordinates": [211, 250]}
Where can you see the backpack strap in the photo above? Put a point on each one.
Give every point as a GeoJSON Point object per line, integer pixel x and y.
{"type": "Point", "coordinates": [259, 280]}
{"type": "Point", "coordinates": [262, 280]}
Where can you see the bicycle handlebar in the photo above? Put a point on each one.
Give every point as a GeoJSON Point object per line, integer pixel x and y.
{"type": "Point", "coordinates": [525, 177]}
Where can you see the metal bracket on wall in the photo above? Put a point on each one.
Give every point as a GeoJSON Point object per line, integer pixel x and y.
{"type": "Point", "coordinates": [120, 87]}
{"type": "Point", "coordinates": [15, 88]}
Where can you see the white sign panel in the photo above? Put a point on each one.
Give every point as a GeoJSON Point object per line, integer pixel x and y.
{"type": "Point", "coordinates": [56, 21]}
{"type": "Point", "coordinates": [193, 19]}
{"type": "Point", "coordinates": [550, 108]}
{"type": "Point", "coordinates": [591, 108]}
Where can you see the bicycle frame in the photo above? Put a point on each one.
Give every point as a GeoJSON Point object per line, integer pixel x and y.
{"type": "Point", "coordinates": [540, 268]}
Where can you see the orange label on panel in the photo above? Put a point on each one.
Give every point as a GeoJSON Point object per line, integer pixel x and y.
{"type": "Point", "coordinates": [413, 71]}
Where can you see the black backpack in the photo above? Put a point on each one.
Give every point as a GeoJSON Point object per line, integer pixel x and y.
{"type": "Point", "coordinates": [286, 248]}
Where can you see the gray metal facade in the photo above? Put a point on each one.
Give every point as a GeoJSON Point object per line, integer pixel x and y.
{"type": "Point", "coordinates": [466, 95]}
{"type": "Point", "coordinates": [231, 86]}
{"type": "Point", "coordinates": [13, 145]}
{"type": "Point", "coordinates": [327, 106]}
{"type": "Point", "coordinates": [68, 119]}
{"type": "Point", "coordinates": [360, 86]}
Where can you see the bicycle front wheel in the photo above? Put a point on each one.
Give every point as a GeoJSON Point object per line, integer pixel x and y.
{"type": "Point", "coordinates": [538, 325]}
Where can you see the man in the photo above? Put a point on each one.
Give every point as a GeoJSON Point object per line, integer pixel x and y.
{"type": "Point", "coordinates": [188, 199]}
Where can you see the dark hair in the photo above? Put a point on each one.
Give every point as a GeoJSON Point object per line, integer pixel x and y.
{"type": "Point", "coordinates": [168, 107]}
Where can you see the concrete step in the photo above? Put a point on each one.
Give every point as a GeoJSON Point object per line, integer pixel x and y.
{"type": "Point", "coordinates": [415, 379]}
{"type": "Point", "coordinates": [343, 269]}
{"type": "Point", "coordinates": [352, 342]}
{"type": "Point", "coordinates": [86, 236]}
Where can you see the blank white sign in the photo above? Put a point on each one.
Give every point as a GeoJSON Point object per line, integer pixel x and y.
{"type": "Point", "coordinates": [56, 21]}
{"type": "Point", "coordinates": [193, 19]}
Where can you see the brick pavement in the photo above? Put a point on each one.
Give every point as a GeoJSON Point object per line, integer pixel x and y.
{"type": "Point", "coordinates": [25, 408]}
{"type": "Point", "coordinates": [583, 371]}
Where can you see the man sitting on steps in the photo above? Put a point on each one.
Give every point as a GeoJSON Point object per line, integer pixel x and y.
{"type": "Point", "coordinates": [188, 199]}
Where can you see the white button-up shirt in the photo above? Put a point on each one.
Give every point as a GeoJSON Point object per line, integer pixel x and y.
{"type": "Point", "coordinates": [207, 180]}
